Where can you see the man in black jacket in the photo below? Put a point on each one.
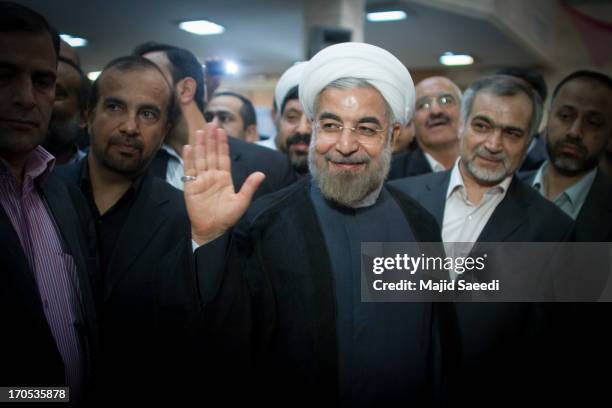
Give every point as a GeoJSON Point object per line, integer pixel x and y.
{"type": "Point", "coordinates": [147, 294]}
{"type": "Point", "coordinates": [46, 301]}
{"type": "Point", "coordinates": [289, 307]}
{"type": "Point", "coordinates": [185, 74]}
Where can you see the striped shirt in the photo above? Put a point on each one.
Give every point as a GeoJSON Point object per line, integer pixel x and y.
{"type": "Point", "coordinates": [53, 267]}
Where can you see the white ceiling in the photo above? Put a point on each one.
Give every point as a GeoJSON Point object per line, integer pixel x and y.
{"type": "Point", "coordinates": [266, 36]}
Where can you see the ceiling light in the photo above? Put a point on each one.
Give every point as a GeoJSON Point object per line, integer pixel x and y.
{"type": "Point", "coordinates": [201, 27]}
{"type": "Point", "coordinates": [450, 59]}
{"type": "Point", "coordinates": [381, 16]}
{"type": "Point", "coordinates": [74, 41]}
{"type": "Point", "coordinates": [94, 75]}
{"type": "Point", "coordinates": [231, 67]}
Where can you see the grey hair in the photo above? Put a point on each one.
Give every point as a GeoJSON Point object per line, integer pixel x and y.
{"type": "Point", "coordinates": [350, 83]}
{"type": "Point", "coordinates": [503, 85]}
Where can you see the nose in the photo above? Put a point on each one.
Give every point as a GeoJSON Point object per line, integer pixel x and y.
{"type": "Point", "coordinates": [305, 126]}
{"type": "Point", "coordinates": [575, 130]}
{"type": "Point", "coordinates": [494, 141]}
{"type": "Point", "coordinates": [130, 125]}
{"type": "Point", "coordinates": [23, 93]}
{"type": "Point", "coordinates": [347, 142]}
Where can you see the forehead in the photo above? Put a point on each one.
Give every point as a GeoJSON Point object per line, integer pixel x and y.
{"type": "Point", "coordinates": [353, 102]}
{"type": "Point", "coordinates": [435, 86]}
{"type": "Point", "coordinates": [225, 102]}
{"type": "Point", "coordinates": [67, 75]}
{"type": "Point", "coordinates": [28, 51]}
{"type": "Point", "coordinates": [585, 94]}
{"type": "Point", "coordinates": [508, 110]}
{"type": "Point", "coordinates": [293, 104]}
{"type": "Point", "coordinates": [135, 86]}
{"type": "Point", "coordinates": [160, 59]}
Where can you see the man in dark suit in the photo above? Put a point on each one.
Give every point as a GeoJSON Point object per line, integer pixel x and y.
{"type": "Point", "coordinates": [578, 132]}
{"type": "Point", "coordinates": [291, 296]}
{"type": "Point", "coordinates": [46, 301]}
{"type": "Point", "coordinates": [435, 125]}
{"type": "Point", "coordinates": [481, 200]}
{"type": "Point", "coordinates": [536, 153]}
{"type": "Point", "coordinates": [183, 70]}
{"type": "Point", "coordinates": [148, 297]}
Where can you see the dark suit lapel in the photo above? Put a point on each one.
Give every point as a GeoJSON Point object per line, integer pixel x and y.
{"type": "Point", "coordinates": [143, 220]}
{"type": "Point", "coordinates": [20, 270]}
{"type": "Point", "coordinates": [434, 198]}
{"type": "Point", "coordinates": [594, 221]}
{"type": "Point", "coordinates": [507, 216]}
{"type": "Point", "coordinates": [324, 287]}
{"type": "Point", "coordinates": [418, 164]}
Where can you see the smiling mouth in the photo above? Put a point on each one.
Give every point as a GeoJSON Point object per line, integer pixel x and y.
{"type": "Point", "coordinates": [437, 123]}
{"type": "Point", "coordinates": [347, 166]}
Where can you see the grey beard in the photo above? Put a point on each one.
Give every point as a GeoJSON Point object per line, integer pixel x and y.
{"type": "Point", "coordinates": [346, 187]}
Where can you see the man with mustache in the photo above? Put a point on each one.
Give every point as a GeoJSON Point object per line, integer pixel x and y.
{"type": "Point", "coordinates": [435, 124]}
{"type": "Point", "coordinates": [293, 127]}
{"type": "Point", "coordinates": [233, 113]}
{"type": "Point", "coordinates": [146, 291]}
{"type": "Point", "coordinates": [481, 200]}
{"type": "Point", "coordinates": [46, 300]}
{"type": "Point", "coordinates": [68, 118]}
{"type": "Point", "coordinates": [578, 132]}
{"type": "Point", "coordinates": [290, 298]}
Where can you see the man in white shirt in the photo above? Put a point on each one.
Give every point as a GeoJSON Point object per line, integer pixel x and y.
{"type": "Point", "coordinates": [481, 200]}
{"type": "Point", "coordinates": [436, 120]}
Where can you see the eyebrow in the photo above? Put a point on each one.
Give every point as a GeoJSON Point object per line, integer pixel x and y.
{"type": "Point", "coordinates": [12, 67]}
{"type": "Point", "coordinates": [329, 115]}
{"type": "Point", "coordinates": [370, 119]}
{"type": "Point", "coordinates": [112, 99]}
{"type": "Point", "coordinates": [493, 124]}
{"type": "Point", "coordinates": [292, 110]}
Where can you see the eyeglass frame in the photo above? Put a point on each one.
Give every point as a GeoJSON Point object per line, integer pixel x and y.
{"type": "Point", "coordinates": [340, 129]}
{"type": "Point", "coordinates": [421, 105]}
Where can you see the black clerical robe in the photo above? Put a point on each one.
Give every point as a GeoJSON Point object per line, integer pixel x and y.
{"type": "Point", "coordinates": [288, 313]}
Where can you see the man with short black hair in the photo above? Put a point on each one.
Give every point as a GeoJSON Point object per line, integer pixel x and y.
{"type": "Point", "coordinates": [46, 300]}
{"type": "Point", "coordinates": [184, 72]}
{"type": "Point", "coordinates": [69, 110]}
{"type": "Point", "coordinates": [148, 292]}
{"type": "Point", "coordinates": [233, 113]}
{"type": "Point", "coordinates": [578, 132]}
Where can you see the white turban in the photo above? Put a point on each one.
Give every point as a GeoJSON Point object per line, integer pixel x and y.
{"type": "Point", "coordinates": [286, 82]}
{"type": "Point", "coordinates": [374, 65]}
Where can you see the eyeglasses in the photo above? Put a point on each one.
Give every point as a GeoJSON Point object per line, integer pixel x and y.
{"type": "Point", "coordinates": [365, 133]}
{"type": "Point", "coordinates": [443, 100]}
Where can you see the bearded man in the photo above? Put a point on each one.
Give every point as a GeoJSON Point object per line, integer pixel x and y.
{"type": "Point", "coordinates": [291, 296]}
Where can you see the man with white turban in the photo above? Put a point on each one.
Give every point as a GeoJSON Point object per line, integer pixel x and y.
{"type": "Point", "coordinates": [290, 295]}
{"type": "Point", "coordinates": [292, 127]}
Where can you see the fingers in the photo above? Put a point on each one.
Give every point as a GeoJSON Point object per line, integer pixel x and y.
{"type": "Point", "coordinates": [224, 153]}
{"type": "Point", "coordinates": [251, 185]}
{"type": "Point", "coordinates": [200, 152]}
{"type": "Point", "coordinates": [189, 161]}
{"type": "Point", "coordinates": [211, 147]}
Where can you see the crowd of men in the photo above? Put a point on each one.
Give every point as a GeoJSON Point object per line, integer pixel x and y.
{"type": "Point", "coordinates": [155, 250]}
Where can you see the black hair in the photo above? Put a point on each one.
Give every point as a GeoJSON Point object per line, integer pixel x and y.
{"type": "Point", "coordinates": [532, 77]}
{"type": "Point", "coordinates": [592, 75]}
{"type": "Point", "coordinates": [84, 85]}
{"type": "Point", "coordinates": [131, 63]}
{"type": "Point", "coordinates": [15, 17]}
{"type": "Point", "coordinates": [182, 64]}
{"type": "Point", "coordinates": [294, 93]}
{"type": "Point", "coordinates": [247, 111]}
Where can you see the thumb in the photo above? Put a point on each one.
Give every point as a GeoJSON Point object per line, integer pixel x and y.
{"type": "Point", "coordinates": [251, 185]}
